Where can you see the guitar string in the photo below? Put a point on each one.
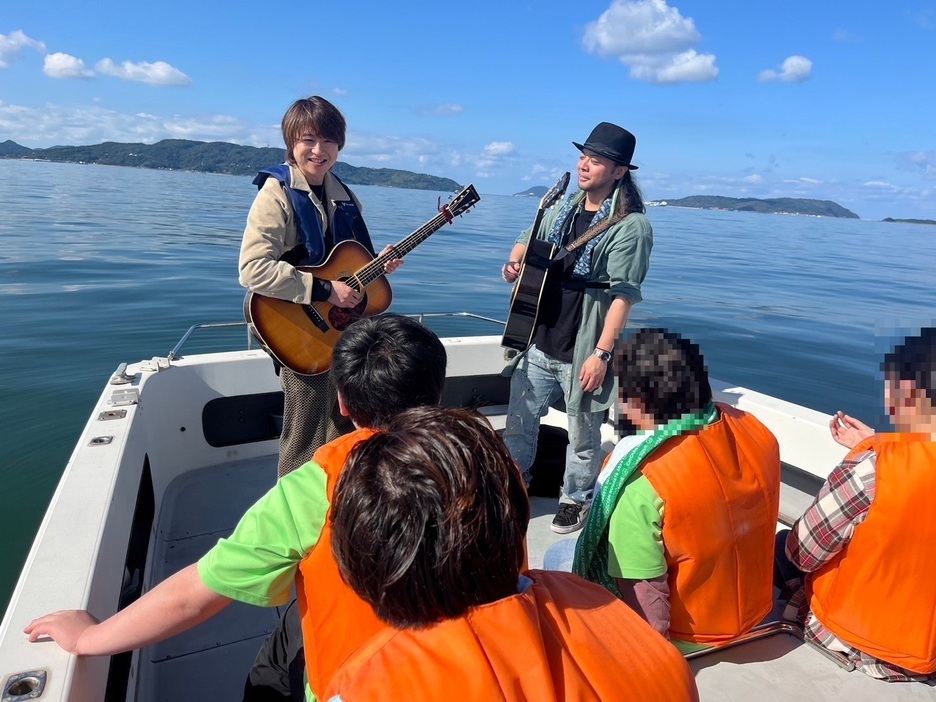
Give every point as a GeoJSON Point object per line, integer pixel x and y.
{"type": "Point", "coordinates": [375, 268]}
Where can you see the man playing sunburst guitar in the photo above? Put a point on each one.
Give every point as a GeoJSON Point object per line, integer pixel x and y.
{"type": "Point", "coordinates": [585, 303]}
{"type": "Point", "coordinates": [301, 212]}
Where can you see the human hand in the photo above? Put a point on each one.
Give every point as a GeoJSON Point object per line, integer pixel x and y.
{"type": "Point", "coordinates": [510, 271]}
{"type": "Point", "coordinates": [848, 431]}
{"type": "Point", "coordinates": [592, 374]}
{"type": "Point", "coordinates": [343, 295]}
{"type": "Point", "coordinates": [393, 263]}
{"type": "Point", "coordinates": [65, 627]}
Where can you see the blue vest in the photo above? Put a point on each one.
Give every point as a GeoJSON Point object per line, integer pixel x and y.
{"type": "Point", "coordinates": [347, 219]}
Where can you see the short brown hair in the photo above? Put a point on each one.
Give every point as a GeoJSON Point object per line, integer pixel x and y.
{"type": "Point", "coordinates": [429, 517]}
{"type": "Point", "coordinates": [312, 114]}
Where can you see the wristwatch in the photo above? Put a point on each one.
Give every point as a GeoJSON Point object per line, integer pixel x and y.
{"type": "Point", "coordinates": [602, 354]}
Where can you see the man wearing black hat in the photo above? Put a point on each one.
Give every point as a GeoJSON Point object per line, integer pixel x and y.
{"type": "Point", "coordinates": [585, 303]}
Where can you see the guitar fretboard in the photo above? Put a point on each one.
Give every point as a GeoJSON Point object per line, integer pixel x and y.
{"type": "Point", "coordinates": [373, 270]}
{"type": "Point", "coordinates": [462, 202]}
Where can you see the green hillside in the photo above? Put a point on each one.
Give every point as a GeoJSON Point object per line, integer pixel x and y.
{"type": "Point", "coordinates": [780, 205]}
{"type": "Point", "coordinates": [214, 157]}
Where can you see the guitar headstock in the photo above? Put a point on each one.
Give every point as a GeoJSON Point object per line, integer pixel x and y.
{"type": "Point", "coordinates": [555, 193]}
{"type": "Point", "coordinates": [462, 201]}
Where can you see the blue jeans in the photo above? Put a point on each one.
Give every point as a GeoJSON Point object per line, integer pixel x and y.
{"type": "Point", "coordinates": [560, 555]}
{"type": "Point", "coordinates": [537, 382]}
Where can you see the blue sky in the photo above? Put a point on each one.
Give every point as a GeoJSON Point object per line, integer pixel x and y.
{"type": "Point", "coordinates": [829, 100]}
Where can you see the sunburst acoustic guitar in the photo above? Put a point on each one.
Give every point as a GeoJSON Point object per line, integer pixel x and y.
{"type": "Point", "coordinates": [301, 337]}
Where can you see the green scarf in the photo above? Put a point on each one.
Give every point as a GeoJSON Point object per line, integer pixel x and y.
{"type": "Point", "coordinates": [591, 551]}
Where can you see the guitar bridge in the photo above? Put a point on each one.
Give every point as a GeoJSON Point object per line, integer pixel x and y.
{"type": "Point", "coordinates": [315, 318]}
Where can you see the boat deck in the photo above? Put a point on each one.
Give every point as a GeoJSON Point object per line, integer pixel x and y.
{"type": "Point", "coordinates": [198, 664]}
{"type": "Point", "coordinates": [150, 493]}
{"type": "Point", "coordinates": [201, 507]}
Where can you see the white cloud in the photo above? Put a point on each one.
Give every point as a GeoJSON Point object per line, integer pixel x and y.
{"type": "Point", "coordinates": [63, 66]}
{"type": "Point", "coordinates": [880, 185]}
{"type": "Point", "coordinates": [840, 35]}
{"type": "Point", "coordinates": [795, 69]}
{"type": "Point", "coordinates": [919, 160]}
{"type": "Point", "coordinates": [158, 73]}
{"type": "Point", "coordinates": [10, 45]}
{"type": "Point", "coordinates": [652, 39]}
{"type": "Point", "coordinates": [499, 148]}
{"type": "Point", "coordinates": [340, 92]}
{"type": "Point", "coordinates": [493, 155]}
{"type": "Point", "coordinates": [753, 179]}
{"type": "Point", "coordinates": [687, 67]}
{"type": "Point", "coordinates": [364, 149]}
{"type": "Point", "coordinates": [445, 109]}
{"type": "Point", "coordinates": [91, 124]}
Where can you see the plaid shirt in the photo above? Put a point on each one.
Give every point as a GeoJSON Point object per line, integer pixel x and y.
{"type": "Point", "coordinates": [824, 530]}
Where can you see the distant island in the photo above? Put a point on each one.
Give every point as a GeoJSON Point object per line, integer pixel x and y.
{"type": "Point", "coordinates": [909, 221]}
{"type": "Point", "coordinates": [535, 191]}
{"type": "Point", "coordinates": [780, 205]}
{"type": "Point", "coordinates": [215, 157]}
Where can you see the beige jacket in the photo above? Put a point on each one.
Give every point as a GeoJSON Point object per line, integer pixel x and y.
{"type": "Point", "coordinates": [272, 231]}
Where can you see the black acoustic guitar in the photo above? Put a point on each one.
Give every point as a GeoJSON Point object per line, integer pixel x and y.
{"type": "Point", "coordinates": [528, 290]}
{"type": "Point", "coordinates": [301, 337]}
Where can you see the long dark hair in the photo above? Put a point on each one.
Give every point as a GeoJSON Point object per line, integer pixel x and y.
{"type": "Point", "coordinates": [429, 517]}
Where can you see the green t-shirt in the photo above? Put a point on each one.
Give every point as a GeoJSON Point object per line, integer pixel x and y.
{"type": "Point", "coordinates": [635, 532]}
{"type": "Point", "coordinates": [257, 563]}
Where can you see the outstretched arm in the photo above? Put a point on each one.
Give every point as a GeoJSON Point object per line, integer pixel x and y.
{"type": "Point", "coordinates": [175, 605]}
{"type": "Point", "coordinates": [848, 431]}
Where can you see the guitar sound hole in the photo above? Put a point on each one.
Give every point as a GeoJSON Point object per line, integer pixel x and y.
{"type": "Point", "coordinates": [340, 317]}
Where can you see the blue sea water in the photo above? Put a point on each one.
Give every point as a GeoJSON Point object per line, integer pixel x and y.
{"type": "Point", "coordinates": [100, 265]}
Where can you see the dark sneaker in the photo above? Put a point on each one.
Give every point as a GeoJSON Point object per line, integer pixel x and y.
{"type": "Point", "coordinates": [569, 518]}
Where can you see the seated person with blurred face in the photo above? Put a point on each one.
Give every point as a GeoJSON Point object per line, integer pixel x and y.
{"type": "Point", "coordinates": [865, 544]}
{"type": "Point", "coordinates": [429, 520]}
{"type": "Point", "coordinates": [684, 522]}
{"type": "Point", "coordinates": [381, 366]}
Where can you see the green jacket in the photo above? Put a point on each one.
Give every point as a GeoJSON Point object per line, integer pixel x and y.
{"type": "Point", "coordinates": [621, 259]}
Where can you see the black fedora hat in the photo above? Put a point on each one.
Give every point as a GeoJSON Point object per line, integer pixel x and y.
{"type": "Point", "coordinates": [611, 141]}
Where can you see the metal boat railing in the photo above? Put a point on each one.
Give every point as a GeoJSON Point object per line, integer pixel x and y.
{"type": "Point", "coordinates": [174, 355]}
{"type": "Point", "coordinates": [176, 352]}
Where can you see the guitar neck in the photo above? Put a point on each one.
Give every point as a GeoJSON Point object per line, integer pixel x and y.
{"type": "Point", "coordinates": [373, 270]}
{"type": "Point", "coordinates": [537, 220]}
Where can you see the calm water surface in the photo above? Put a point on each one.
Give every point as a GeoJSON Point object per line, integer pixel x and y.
{"type": "Point", "coordinates": [100, 265]}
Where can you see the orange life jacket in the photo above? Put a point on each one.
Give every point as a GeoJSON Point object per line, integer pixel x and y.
{"type": "Point", "coordinates": [335, 621]}
{"type": "Point", "coordinates": [563, 638]}
{"type": "Point", "coordinates": [721, 493]}
{"type": "Point", "coordinates": [878, 594]}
